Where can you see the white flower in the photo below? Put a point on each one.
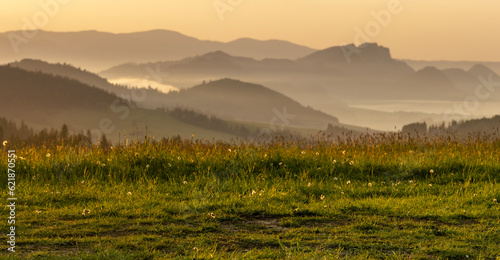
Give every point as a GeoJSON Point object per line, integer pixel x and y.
{"type": "Point", "coordinates": [254, 192]}
{"type": "Point", "coordinates": [431, 171]}
{"type": "Point", "coordinates": [410, 181]}
{"type": "Point", "coordinates": [317, 153]}
{"type": "Point", "coordinates": [5, 143]}
{"type": "Point", "coordinates": [309, 184]}
{"type": "Point", "coordinates": [303, 152]}
{"type": "Point", "coordinates": [86, 211]}
{"type": "Point", "coordinates": [494, 200]}
{"type": "Point", "coordinates": [185, 182]}
{"type": "Point", "coordinates": [147, 166]}
{"type": "Point", "coordinates": [369, 184]}
{"type": "Point", "coordinates": [334, 161]}
{"type": "Point", "coordinates": [335, 178]}
{"type": "Point", "coordinates": [322, 197]}
{"type": "Point", "coordinates": [430, 185]}
{"type": "Point", "coordinates": [348, 182]}
{"type": "Point", "coordinates": [351, 162]}
{"type": "Point", "coordinates": [48, 155]}
{"type": "Point", "coordinates": [129, 193]}
{"type": "Point", "coordinates": [211, 215]}
{"type": "Point", "coordinates": [229, 150]}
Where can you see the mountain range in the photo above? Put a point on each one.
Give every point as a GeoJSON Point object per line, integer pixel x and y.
{"type": "Point", "coordinates": [96, 50]}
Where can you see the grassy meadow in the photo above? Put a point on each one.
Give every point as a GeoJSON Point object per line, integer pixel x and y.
{"type": "Point", "coordinates": [380, 196]}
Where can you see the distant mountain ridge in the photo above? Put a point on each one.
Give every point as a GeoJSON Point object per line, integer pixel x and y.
{"type": "Point", "coordinates": [98, 50]}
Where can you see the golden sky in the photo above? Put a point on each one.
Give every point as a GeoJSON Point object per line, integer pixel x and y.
{"type": "Point", "coordinates": [414, 29]}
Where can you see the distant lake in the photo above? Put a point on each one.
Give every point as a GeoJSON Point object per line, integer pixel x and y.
{"type": "Point", "coordinates": [484, 108]}
{"type": "Point", "coordinates": [143, 83]}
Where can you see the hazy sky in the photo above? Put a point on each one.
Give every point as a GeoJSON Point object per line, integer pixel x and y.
{"type": "Point", "coordinates": [416, 29]}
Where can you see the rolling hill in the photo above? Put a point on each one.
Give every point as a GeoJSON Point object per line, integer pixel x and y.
{"type": "Point", "coordinates": [48, 101]}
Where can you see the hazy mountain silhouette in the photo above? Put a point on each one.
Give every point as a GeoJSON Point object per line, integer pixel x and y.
{"type": "Point", "coordinates": [324, 79]}
{"type": "Point", "coordinates": [98, 50]}
{"type": "Point", "coordinates": [48, 101]}
{"type": "Point", "coordinates": [368, 58]}
{"type": "Point", "coordinates": [236, 100]}
{"type": "Point", "coordinates": [442, 65]}
{"type": "Point", "coordinates": [149, 98]}
{"type": "Point", "coordinates": [429, 83]}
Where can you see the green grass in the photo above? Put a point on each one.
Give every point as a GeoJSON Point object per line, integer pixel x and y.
{"type": "Point", "coordinates": [374, 197]}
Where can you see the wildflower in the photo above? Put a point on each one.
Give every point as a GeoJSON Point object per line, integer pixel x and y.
{"type": "Point", "coordinates": [351, 162]}
{"type": "Point", "coordinates": [335, 178]}
{"type": "Point", "coordinates": [494, 200]}
{"type": "Point", "coordinates": [5, 143]}
{"type": "Point", "coordinates": [430, 185]}
{"type": "Point", "coordinates": [369, 184]}
{"type": "Point", "coordinates": [103, 165]}
{"type": "Point", "coordinates": [254, 192]}
{"type": "Point", "coordinates": [322, 197]}
{"type": "Point", "coordinates": [169, 165]}
{"type": "Point", "coordinates": [431, 171]}
{"type": "Point", "coordinates": [410, 181]}
{"type": "Point", "coordinates": [342, 193]}
{"type": "Point", "coordinates": [281, 163]}
{"type": "Point", "coordinates": [129, 193]}
{"type": "Point", "coordinates": [195, 249]}
{"type": "Point", "coordinates": [343, 152]}
{"type": "Point", "coordinates": [38, 211]}
{"type": "Point", "coordinates": [475, 195]}
{"type": "Point", "coordinates": [185, 182]}
{"type": "Point", "coordinates": [178, 158]}
{"type": "Point", "coordinates": [303, 152]}
{"type": "Point", "coordinates": [265, 155]}
{"type": "Point", "coordinates": [86, 211]}
{"type": "Point", "coordinates": [334, 161]}
{"type": "Point", "coordinates": [211, 215]}
{"type": "Point", "coordinates": [83, 182]}
{"type": "Point", "coordinates": [229, 150]}
{"type": "Point", "coordinates": [48, 155]}
{"type": "Point", "coordinates": [147, 166]}
{"type": "Point", "coordinates": [309, 184]}
{"type": "Point", "coordinates": [348, 182]}
{"type": "Point", "coordinates": [317, 153]}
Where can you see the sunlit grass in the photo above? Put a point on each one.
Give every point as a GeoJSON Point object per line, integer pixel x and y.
{"type": "Point", "coordinates": [376, 196]}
